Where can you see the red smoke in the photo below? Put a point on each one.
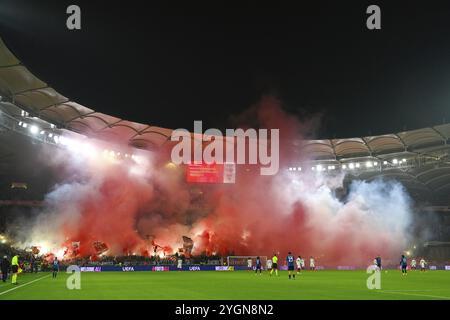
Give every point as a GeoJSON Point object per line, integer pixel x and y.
{"type": "Point", "coordinates": [258, 215]}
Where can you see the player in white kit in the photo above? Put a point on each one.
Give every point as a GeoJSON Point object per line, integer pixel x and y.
{"type": "Point", "coordinates": [298, 262]}
{"type": "Point", "coordinates": [249, 263]}
{"type": "Point", "coordinates": [312, 264]}
{"type": "Point", "coordinates": [269, 264]}
{"type": "Point", "coordinates": [422, 264]}
{"type": "Point", "coordinates": [413, 264]}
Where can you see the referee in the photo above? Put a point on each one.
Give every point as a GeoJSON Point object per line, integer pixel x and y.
{"type": "Point", "coordinates": [274, 265]}
{"type": "Point", "coordinates": [15, 268]}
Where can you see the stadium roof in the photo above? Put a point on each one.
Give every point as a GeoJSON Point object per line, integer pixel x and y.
{"type": "Point", "coordinates": [25, 91]}
{"type": "Point", "coordinates": [33, 95]}
{"type": "Point", "coordinates": [406, 141]}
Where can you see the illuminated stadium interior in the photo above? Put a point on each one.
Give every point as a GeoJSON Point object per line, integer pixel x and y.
{"type": "Point", "coordinates": [33, 116]}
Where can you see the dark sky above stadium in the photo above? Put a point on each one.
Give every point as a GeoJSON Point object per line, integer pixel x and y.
{"type": "Point", "coordinates": [168, 63]}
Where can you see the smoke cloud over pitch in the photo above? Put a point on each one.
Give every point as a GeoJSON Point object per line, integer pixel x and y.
{"type": "Point", "coordinates": [127, 204]}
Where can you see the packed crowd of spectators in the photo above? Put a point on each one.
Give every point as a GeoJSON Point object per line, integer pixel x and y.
{"type": "Point", "coordinates": [136, 260]}
{"type": "Point", "coordinates": [33, 263]}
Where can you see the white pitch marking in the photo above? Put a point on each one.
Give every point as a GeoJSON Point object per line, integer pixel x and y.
{"type": "Point", "coordinates": [22, 285]}
{"type": "Point", "coordinates": [416, 294]}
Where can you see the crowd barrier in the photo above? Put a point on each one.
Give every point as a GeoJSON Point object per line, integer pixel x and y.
{"type": "Point", "coordinates": [160, 268]}
{"type": "Point", "coordinates": [165, 268]}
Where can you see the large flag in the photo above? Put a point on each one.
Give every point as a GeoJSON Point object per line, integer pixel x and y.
{"type": "Point", "coordinates": [100, 247]}
{"type": "Point", "coordinates": [76, 244]}
{"type": "Point", "coordinates": [188, 244]}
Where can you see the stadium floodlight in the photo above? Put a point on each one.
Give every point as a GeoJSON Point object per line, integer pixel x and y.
{"type": "Point", "coordinates": [24, 125]}
{"type": "Point", "coordinates": [86, 148]}
{"type": "Point", "coordinates": [64, 141]}
{"type": "Point", "coordinates": [290, 169]}
{"type": "Point", "coordinates": [319, 167]}
{"type": "Point", "coordinates": [56, 139]}
{"type": "Point", "coordinates": [344, 166]}
{"type": "Point", "coordinates": [313, 168]}
{"type": "Point", "coordinates": [375, 163]}
{"type": "Point", "coordinates": [403, 160]}
{"type": "Point", "coordinates": [42, 132]}
{"type": "Point", "coordinates": [294, 169]}
{"type": "Point", "coordinates": [299, 168]}
{"type": "Point", "coordinates": [50, 135]}
{"type": "Point", "coordinates": [34, 129]}
{"type": "Point", "coordinates": [385, 162]}
{"type": "Point", "coordinates": [357, 165]}
{"type": "Point", "coordinates": [351, 166]}
{"type": "Point", "coordinates": [395, 161]}
{"type": "Point", "coordinates": [369, 164]}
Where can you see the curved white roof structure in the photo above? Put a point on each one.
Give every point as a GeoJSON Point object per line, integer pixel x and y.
{"type": "Point", "coordinates": [33, 95]}
{"type": "Point", "coordinates": [414, 140]}
{"type": "Point", "coordinates": [428, 147]}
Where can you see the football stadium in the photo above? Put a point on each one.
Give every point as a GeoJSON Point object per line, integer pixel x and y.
{"type": "Point", "coordinates": [93, 206]}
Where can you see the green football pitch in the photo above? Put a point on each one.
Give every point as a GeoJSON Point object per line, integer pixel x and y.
{"type": "Point", "coordinates": [231, 285]}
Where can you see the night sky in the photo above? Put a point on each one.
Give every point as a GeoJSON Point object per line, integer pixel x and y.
{"type": "Point", "coordinates": [168, 63]}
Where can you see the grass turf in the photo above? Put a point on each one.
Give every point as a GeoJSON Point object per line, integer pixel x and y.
{"type": "Point", "coordinates": [231, 285]}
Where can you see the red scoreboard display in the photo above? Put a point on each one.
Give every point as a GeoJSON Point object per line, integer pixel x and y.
{"type": "Point", "coordinates": [211, 173]}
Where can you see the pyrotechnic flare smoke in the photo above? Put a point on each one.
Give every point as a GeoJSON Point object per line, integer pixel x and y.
{"type": "Point", "coordinates": [128, 205]}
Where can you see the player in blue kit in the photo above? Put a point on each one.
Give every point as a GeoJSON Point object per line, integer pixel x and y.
{"type": "Point", "coordinates": [55, 267]}
{"type": "Point", "coordinates": [290, 264]}
{"type": "Point", "coordinates": [404, 265]}
{"type": "Point", "coordinates": [378, 260]}
{"type": "Point", "coordinates": [258, 266]}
